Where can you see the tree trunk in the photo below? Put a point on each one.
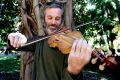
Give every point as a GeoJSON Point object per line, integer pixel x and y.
{"type": "Point", "coordinates": [68, 13]}
{"type": "Point", "coordinates": [31, 25]}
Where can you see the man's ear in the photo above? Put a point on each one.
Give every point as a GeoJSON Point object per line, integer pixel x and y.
{"type": "Point", "coordinates": [62, 22]}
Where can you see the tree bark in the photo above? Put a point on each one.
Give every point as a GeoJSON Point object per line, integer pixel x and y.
{"type": "Point", "coordinates": [68, 13]}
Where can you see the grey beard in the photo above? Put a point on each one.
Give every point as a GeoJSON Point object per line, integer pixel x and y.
{"type": "Point", "coordinates": [50, 31]}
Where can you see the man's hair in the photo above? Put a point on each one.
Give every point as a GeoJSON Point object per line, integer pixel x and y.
{"type": "Point", "coordinates": [53, 4]}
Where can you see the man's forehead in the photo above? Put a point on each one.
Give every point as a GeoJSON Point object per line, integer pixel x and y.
{"type": "Point", "coordinates": [53, 11]}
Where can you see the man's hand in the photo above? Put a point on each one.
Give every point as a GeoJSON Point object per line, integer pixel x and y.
{"type": "Point", "coordinates": [17, 39]}
{"type": "Point", "coordinates": [79, 56]}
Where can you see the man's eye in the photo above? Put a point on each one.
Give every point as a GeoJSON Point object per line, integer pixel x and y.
{"type": "Point", "coordinates": [57, 19]}
{"type": "Point", "coordinates": [49, 17]}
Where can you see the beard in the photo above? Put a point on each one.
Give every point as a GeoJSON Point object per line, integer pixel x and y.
{"type": "Point", "coordinates": [52, 29]}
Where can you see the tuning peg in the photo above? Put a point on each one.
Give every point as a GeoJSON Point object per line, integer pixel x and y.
{"type": "Point", "coordinates": [94, 60]}
{"type": "Point", "coordinates": [102, 67]}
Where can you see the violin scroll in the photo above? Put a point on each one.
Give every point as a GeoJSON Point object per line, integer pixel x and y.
{"type": "Point", "coordinates": [107, 61]}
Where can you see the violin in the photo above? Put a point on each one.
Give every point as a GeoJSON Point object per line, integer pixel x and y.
{"type": "Point", "coordinates": [64, 40]}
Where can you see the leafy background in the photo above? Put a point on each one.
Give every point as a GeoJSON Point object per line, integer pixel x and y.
{"type": "Point", "coordinates": [104, 34]}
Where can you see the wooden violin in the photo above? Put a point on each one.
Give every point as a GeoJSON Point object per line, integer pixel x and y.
{"type": "Point", "coordinates": [64, 40]}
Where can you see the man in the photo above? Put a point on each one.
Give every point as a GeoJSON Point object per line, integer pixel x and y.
{"type": "Point", "coordinates": [49, 63]}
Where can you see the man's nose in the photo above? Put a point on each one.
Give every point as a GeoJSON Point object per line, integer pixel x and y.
{"type": "Point", "coordinates": [53, 21]}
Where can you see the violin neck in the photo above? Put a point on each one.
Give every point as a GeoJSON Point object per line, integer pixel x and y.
{"type": "Point", "coordinates": [99, 55]}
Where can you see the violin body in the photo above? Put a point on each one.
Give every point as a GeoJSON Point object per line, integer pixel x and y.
{"type": "Point", "coordinates": [64, 40]}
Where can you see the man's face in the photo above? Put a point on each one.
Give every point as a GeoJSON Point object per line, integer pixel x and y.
{"type": "Point", "coordinates": [52, 19]}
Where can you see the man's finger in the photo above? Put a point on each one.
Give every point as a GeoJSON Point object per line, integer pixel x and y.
{"type": "Point", "coordinates": [83, 47]}
{"type": "Point", "coordinates": [73, 49]}
{"type": "Point", "coordinates": [79, 46]}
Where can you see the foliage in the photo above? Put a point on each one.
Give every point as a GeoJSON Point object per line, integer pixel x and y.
{"type": "Point", "coordinates": [14, 65]}
{"type": "Point", "coordinates": [104, 12]}
{"type": "Point", "coordinates": [9, 11]}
